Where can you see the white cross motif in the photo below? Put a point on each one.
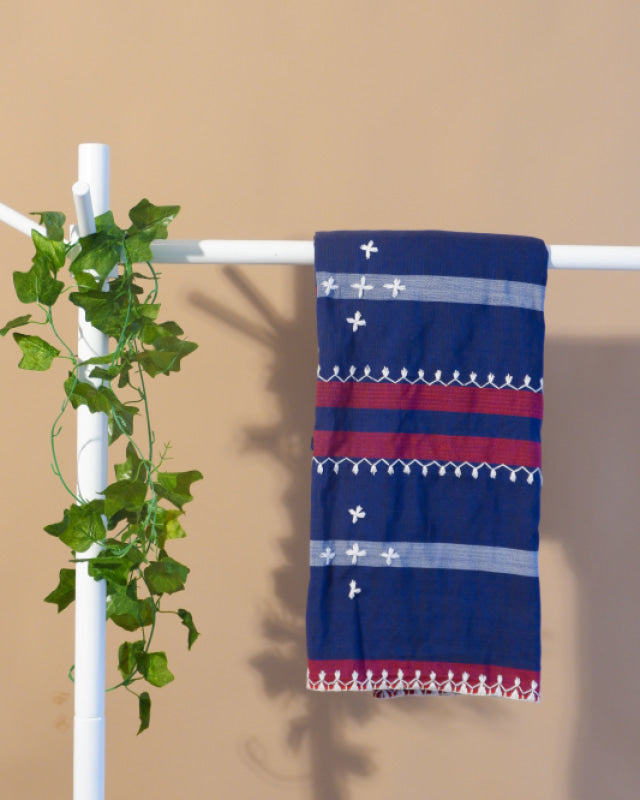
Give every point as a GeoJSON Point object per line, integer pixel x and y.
{"type": "Point", "coordinates": [357, 513]}
{"type": "Point", "coordinates": [356, 320]}
{"type": "Point", "coordinates": [355, 552]}
{"type": "Point", "coordinates": [369, 248]}
{"type": "Point", "coordinates": [395, 287]}
{"type": "Point", "coordinates": [389, 555]}
{"type": "Point", "coordinates": [328, 554]}
{"type": "Point", "coordinates": [362, 286]}
{"type": "Point", "coordinates": [329, 286]}
{"type": "Point", "coordinates": [353, 589]}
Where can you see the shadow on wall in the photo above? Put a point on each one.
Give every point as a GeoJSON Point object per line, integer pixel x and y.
{"type": "Point", "coordinates": [591, 460]}
{"type": "Point", "coordinates": [320, 728]}
{"type": "Point", "coordinates": [590, 502]}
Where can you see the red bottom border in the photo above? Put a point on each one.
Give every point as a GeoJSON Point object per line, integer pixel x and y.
{"type": "Point", "coordinates": [398, 678]}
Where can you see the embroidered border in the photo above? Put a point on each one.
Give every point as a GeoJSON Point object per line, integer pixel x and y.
{"type": "Point", "coordinates": [443, 468]}
{"type": "Point", "coordinates": [383, 684]}
{"type": "Point", "coordinates": [404, 378]}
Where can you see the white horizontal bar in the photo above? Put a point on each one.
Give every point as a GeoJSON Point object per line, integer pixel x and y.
{"type": "Point", "coordinates": [232, 251]}
{"type": "Point", "coordinates": [582, 256]}
{"type": "Point", "coordinates": [18, 221]}
{"type": "Point", "coordinates": [275, 251]}
{"type": "Point", "coordinates": [255, 251]}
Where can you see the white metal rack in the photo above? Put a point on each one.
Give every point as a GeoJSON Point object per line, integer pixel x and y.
{"type": "Point", "coordinates": [91, 196]}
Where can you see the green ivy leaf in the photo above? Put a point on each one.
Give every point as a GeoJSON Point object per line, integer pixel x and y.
{"type": "Point", "coordinates": [154, 668]}
{"type": "Point", "coordinates": [101, 252]}
{"type": "Point", "coordinates": [149, 222]}
{"type": "Point", "coordinates": [121, 423]}
{"type": "Point", "coordinates": [101, 398]}
{"type": "Point", "coordinates": [124, 495]}
{"type": "Point", "coordinates": [53, 221]}
{"type": "Point", "coordinates": [167, 526]}
{"type": "Point", "coordinates": [36, 353]}
{"type": "Point", "coordinates": [166, 576]}
{"type": "Point", "coordinates": [81, 393]}
{"type": "Point", "coordinates": [15, 323]}
{"type": "Point", "coordinates": [175, 486]}
{"type": "Point", "coordinates": [81, 526]}
{"type": "Point", "coordinates": [130, 553]}
{"type": "Point", "coordinates": [129, 613]}
{"type": "Point", "coordinates": [167, 354]}
{"type": "Point", "coordinates": [187, 621]}
{"type": "Point", "coordinates": [132, 467]}
{"type": "Point", "coordinates": [37, 285]}
{"type": "Point", "coordinates": [148, 311]}
{"type": "Point", "coordinates": [107, 311]}
{"type": "Point", "coordinates": [65, 592]}
{"type": "Point", "coordinates": [105, 223]}
{"type": "Point", "coordinates": [101, 368]}
{"type": "Point", "coordinates": [106, 373]}
{"type": "Point", "coordinates": [50, 253]}
{"type": "Point", "coordinates": [151, 219]}
{"type": "Point", "coordinates": [127, 653]}
{"type": "Point", "coordinates": [162, 330]}
{"type": "Point", "coordinates": [114, 569]}
{"type": "Point", "coordinates": [144, 711]}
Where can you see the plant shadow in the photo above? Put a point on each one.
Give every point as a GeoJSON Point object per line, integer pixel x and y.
{"type": "Point", "coordinates": [317, 726]}
{"type": "Point", "coordinates": [591, 463]}
{"type": "Point", "coordinates": [589, 506]}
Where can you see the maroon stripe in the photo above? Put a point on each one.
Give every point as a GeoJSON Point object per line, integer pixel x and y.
{"type": "Point", "coordinates": [463, 399]}
{"type": "Point", "coordinates": [426, 446]}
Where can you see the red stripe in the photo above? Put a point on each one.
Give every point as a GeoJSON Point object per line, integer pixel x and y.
{"type": "Point", "coordinates": [463, 399]}
{"type": "Point", "coordinates": [426, 446]}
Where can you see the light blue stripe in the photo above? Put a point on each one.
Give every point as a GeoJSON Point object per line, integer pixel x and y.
{"type": "Point", "coordinates": [431, 289]}
{"type": "Point", "coordinates": [424, 555]}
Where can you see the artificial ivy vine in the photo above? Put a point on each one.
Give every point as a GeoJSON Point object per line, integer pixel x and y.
{"type": "Point", "coordinates": [140, 511]}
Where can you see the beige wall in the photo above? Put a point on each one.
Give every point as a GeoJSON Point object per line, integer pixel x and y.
{"type": "Point", "coordinates": [275, 120]}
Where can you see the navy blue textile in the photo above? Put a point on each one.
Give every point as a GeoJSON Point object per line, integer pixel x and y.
{"type": "Point", "coordinates": [426, 464]}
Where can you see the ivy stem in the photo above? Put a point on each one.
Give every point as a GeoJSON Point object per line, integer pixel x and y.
{"type": "Point", "coordinates": [49, 319]}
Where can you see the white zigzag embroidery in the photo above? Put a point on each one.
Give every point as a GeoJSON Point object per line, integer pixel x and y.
{"type": "Point", "coordinates": [404, 378]}
{"type": "Point", "coordinates": [406, 685]}
{"type": "Point", "coordinates": [423, 466]}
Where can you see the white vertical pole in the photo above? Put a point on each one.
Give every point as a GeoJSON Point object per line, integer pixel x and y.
{"type": "Point", "coordinates": [89, 674]}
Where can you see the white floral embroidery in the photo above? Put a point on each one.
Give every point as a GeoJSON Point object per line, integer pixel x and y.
{"type": "Point", "coordinates": [355, 552]}
{"type": "Point", "coordinates": [329, 285]}
{"type": "Point", "coordinates": [395, 287]}
{"type": "Point", "coordinates": [390, 555]}
{"type": "Point", "coordinates": [362, 286]}
{"type": "Point", "coordinates": [356, 320]}
{"type": "Point", "coordinates": [357, 513]}
{"type": "Point", "coordinates": [369, 248]}
{"type": "Point", "coordinates": [328, 554]}
{"type": "Point", "coordinates": [353, 589]}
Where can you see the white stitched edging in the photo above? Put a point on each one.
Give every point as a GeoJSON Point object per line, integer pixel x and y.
{"type": "Point", "coordinates": [387, 686]}
{"type": "Point", "coordinates": [404, 378]}
{"type": "Point", "coordinates": [442, 467]}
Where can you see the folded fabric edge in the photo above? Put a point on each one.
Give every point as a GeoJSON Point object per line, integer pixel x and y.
{"type": "Point", "coordinates": [399, 678]}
